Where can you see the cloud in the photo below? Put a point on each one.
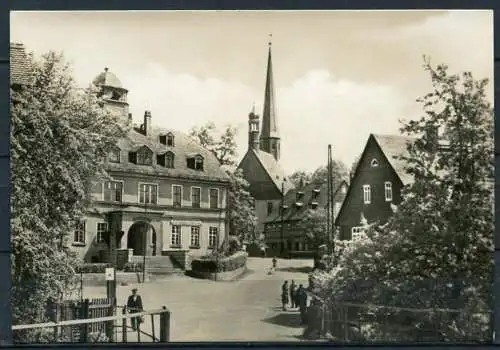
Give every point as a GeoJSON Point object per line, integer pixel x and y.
{"type": "Point", "coordinates": [313, 111]}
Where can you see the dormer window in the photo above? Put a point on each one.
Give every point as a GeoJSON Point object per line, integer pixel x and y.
{"type": "Point", "coordinates": [143, 156]}
{"type": "Point", "coordinates": [114, 155]}
{"type": "Point", "coordinates": [299, 204]}
{"type": "Point", "coordinates": [299, 195]}
{"type": "Point", "coordinates": [167, 139]}
{"type": "Point", "coordinates": [374, 163]}
{"type": "Point", "coordinates": [166, 159]}
{"type": "Point", "coordinates": [195, 162]}
{"type": "Point", "coordinates": [314, 205]}
{"type": "Point", "coordinates": [315, 192]}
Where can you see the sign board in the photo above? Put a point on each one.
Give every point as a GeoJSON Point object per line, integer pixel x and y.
{"type": "Point", "coordinates": [110, 274]}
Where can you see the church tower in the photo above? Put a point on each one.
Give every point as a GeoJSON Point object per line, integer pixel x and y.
{"type": "Point", "coordinates": [269, 138]}
{"type": "Point", "coordinates": [113, 94]}
{"type": "Point", "coordinates": [253, 131]}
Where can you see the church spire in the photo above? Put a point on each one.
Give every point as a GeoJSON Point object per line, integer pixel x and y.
{"type": "Point", "coordinates": [270, 139]}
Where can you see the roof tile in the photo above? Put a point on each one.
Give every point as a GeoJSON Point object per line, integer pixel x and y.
{"type": "Point", "coordinates": [20, 67]}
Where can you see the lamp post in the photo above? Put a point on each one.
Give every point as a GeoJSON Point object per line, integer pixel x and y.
{"type": "Point", "coordinates": [144, 237]}
{"type": "Point", "coordinates": [282, 210]}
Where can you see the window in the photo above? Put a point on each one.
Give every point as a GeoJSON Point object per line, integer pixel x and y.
{"type": "Point", "coordinates": [195, 236]}
{"type": "Point", "coordinates": [132, 157]}
{"type": "Point", "coordinates": [163, 139]}
{"type": "Point", "coordinates": [102, 228]}
{"type": "Point", "coordinates": [195, 197]}
{"type": "Point", "coordinates": [148, 193]}
{"type": "Point", "coordinates": [374, 163]}
{"type": "Point", "coordinates": [79, 236]}
{"type": "Point", "coordinates": [144, 156]}
{"type": "Point", "coordinates": [175, 239]}
{"type": "Point", "coordinates": [114, 156]}
{"type": "Point", "coordinates": [177, 195]}
{"type": "Point", "coordinates": [112, 191]}
{"type": "Point", "coordinates": [170, 140]}
{"type": "Point", "coordinates": [367, 194]}
{"type": "Point", "coordinates": [388, 191]}
{"type": "Point", "coordinates": [269, 208]}
{"type": "Point", "coordinates": [212, 237]}
{"type": "Point", "coordinates": [195, 162]}
{"type": "Point", "coordinates": [169, 160]}
{"type": "Point", "coordinates": [357, 229]}
{"type": "Point", "coordinates": [214, 198]}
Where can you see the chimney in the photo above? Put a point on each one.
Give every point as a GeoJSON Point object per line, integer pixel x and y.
{"type": "Point", "coordinates": [147, 123]}
{"type": "Point", "coordinates": [253, 131]}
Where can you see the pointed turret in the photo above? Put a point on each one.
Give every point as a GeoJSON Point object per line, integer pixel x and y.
{"type": "Point", "coordinates": [270, 139]}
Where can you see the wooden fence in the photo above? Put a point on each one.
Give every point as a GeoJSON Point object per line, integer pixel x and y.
{"type": "Point", "coordinates": [111, 324]}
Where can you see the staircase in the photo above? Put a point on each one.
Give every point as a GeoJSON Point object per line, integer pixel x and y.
{"type": "Point", "coordinates": [158, 265]}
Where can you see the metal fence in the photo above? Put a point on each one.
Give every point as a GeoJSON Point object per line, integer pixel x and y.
{"type": "Point", "coordinates": [346, 323]}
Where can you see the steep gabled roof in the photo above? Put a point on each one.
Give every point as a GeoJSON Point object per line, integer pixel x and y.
{"type": "Point", "coordinates": [184, 147]}
{"type": "Point", "coordinates": [394, 146]}
{"type": "Point", "coordinates": [274, 170]}
{"type": "Point", "coordinates": [20, 66]}
{"type": "Point", "coordinates": [297, 213]}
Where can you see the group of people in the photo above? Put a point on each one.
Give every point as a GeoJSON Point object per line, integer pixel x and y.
{"type": "Point", "coordinates": [295, 297]}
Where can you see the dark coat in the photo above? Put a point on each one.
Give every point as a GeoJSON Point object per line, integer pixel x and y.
{"type": "Point", "coordinates": [134, 306]}
{"type": "Point", "coordinates": [284, 294]}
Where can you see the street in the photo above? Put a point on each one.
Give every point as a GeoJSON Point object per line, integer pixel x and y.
{"type": "Point", "coordinates": [248, 309]}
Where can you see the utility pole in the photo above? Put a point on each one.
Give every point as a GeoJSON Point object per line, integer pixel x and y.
{"type": "Point", "coordinates": [145, 239]}
{"type": "Point", "coordinates": [328, 204]}
{"type": "Point", "coordinates": [282, 210]}
{"type": "Point", "coordinates": [331, 200]}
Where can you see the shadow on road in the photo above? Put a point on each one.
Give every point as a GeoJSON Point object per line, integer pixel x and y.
{"type": "Point", "coordinates": [285, 319]}
{"type": "Point", "coordinates": [302, 269]}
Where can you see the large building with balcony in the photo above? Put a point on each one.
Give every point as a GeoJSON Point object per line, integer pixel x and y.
{"type": "Point", "coordinates": [166, 195]}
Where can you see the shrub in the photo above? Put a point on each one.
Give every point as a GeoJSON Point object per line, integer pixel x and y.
{"type": "Point", "coordinates": [212, 264]}
{"type": "Point", "coordinates": [132, 267]}
{"type": "Point", "coordinates": [92, 268]}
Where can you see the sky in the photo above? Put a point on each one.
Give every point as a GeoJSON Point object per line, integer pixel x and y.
{"type": "Point", "coordinates": [339, 75]}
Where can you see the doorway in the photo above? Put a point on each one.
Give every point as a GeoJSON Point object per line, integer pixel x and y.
{"type": "Point", "coordinates": [142, 238]}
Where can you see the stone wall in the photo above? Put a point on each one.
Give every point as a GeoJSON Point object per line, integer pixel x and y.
{"type": "Point", "coordinates": [220, 276]}
{"type": "Point", "coordinates": [99, 279]}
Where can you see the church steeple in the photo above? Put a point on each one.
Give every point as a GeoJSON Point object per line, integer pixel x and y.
{"type": "Point", "coordinates": [270, 139]}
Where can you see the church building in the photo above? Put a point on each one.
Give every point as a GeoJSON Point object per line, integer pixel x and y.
{"type": "Point", "coordinates": [260, 165]}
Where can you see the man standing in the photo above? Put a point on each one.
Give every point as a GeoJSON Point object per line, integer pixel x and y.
{"type": "Point", "coordinates": [302, 301]}
{"type": "Point", "coordinates": [134, 305]}
{"type": "Point", "coordinates": [284, 295]}
{"type": "Point", "coordinates": [293, 297]}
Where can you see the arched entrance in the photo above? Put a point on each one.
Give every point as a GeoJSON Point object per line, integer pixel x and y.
{"type": "Point", "coordinates": [142, 238]}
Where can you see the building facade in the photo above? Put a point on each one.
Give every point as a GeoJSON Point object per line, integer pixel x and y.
{"type": "Point", "coordinates": [376, 184]}
{"type": "Point", "coordinates": [166, 195]}
{"type": "Point", "coordinates": [260, 165]}
{"type": "Point", "coordinates": [282, 233]}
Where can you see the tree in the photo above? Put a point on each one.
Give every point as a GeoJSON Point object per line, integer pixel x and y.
{"type": "Point", "coordinates": [314, 226]}
{"type": "Point", "coordinates": [241, 213]}
{"type": "Point", "coordinates": [223, 146]}
{"type": "Point", "coordinates": [59, 139]}
{"type": "Point", "coordinates": [320, 175]}
{"type": "Point", "coordinates": [435, 252]}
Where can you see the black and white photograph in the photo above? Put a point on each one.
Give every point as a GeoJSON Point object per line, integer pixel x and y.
{"type": "Point", "coordinates": [249, 176]}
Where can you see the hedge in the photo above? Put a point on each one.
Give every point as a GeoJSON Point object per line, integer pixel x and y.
{"type": "Point", "coordinates": [92, 268]}
{"type": "Point", "coordinates": [213, 264]}
{"type": "Point", "coordinates": [132, 267]}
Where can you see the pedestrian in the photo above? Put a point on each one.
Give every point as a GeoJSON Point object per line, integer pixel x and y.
{"type": "Point", "coordinates": [302, 301]}
{"type": "Point", "coordinates": [293, 289]}
{"type": "Point", "coordinates": [274, 262]}
{"type": "Point", "coordinates": [284, 295]}
{"type": "Point", "coordinates": [134, 305]}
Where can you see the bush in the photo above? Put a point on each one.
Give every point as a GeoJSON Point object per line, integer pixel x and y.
{"type": "Point", "coordinates": [132, 267]}
{"type": "Point", "coordinates": [92, 268]}
{"type": "Point", "coordinates": [212, 264]}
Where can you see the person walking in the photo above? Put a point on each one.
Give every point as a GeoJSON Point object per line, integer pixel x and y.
{"type": "Point", "coordinates": [293, 299]}
{"type": "Point", "coordinates": [284, 295]}
{"type": "Point", "coordinates": [274, 262]}
{"type": "Point", "coordinates": [134, 305]}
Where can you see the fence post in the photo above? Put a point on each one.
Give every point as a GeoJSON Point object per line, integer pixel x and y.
{"type": "Point", "coordinates": [84, 314]}
{"type": "Point", "coordinates": [124, 325]}
{"type": "Point", "coordinates": [165, 326]}
{"type": "Point", "coordinates": [111, 324]}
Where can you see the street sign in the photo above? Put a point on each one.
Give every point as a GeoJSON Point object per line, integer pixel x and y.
{"type": "Point", "coordinates": [110, 274]}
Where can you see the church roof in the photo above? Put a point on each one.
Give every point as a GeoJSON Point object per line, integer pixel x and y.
{"type": "Point", "coordinates": [108, 78]}
{"type": "Point", "coordinates": [307, 197]}
{"type": "Point", "coordinates": [184, 147]}
{"type": "Point", "coordinates": [20, 68]}
{"type": "Point", "coordinates": [395, 146]}
{"type": "Point", "coordinates": [274, 170]}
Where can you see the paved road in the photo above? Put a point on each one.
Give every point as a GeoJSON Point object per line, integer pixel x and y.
{"type": "Point", "coordinates": [244, 310]}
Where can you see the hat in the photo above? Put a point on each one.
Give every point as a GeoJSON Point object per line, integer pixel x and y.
{"type": "Point", "coordinates": [134, 289]}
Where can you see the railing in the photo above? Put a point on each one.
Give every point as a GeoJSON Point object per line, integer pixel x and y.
{"type": "Point", "coordinates": [113, 325]}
